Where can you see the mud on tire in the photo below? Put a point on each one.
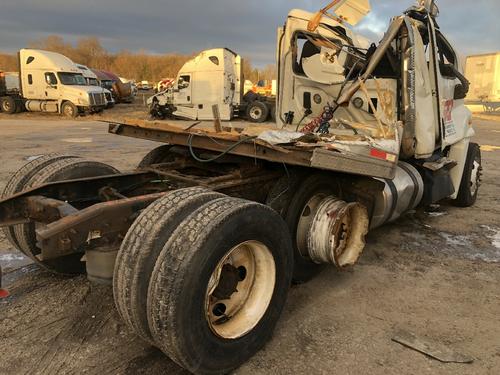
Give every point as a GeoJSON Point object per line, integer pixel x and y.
{"type": "Point", "coordinates": [142, 246]}
{"type": "Point", "coordinates": [178, 308]}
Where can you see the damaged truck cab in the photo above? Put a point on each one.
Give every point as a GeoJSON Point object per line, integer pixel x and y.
{"type": "Point", "coordinates": [405, 95]}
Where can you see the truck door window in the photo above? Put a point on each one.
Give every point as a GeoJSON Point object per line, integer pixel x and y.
{"type": "Point", "coordinates": [303, 48]}
{"type": "Point", "coordinates": [214, 59]}
{"type": "Point", "coordinates": [319, 54]}
{"type": "Point", "coordinates": [184, 82]}
{"type": "Point", "coordinates": [447, 58]}
{"type": "Point", "coordinates": [51, 79]}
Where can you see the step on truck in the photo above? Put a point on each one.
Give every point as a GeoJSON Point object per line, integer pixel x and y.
{"type": "Point", "coordinates": [213, 78]}
{"type": "Point", "coordinates": [51, 82]}
{"type": "Point", "coordinates": [203, 240]}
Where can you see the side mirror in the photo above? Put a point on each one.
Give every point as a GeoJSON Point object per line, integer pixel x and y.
{"type": "Point", "coordinates": [460, 92]}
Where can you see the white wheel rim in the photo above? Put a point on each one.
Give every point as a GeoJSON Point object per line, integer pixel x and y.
{"type": "Point", "coordinates": [68, 111]}
{"type": "Point", "coordinates": [305, 222]}
{"type": "Point", "coordinates": [252, 263]}
{"type": "Point", "coordinates": [255, 113]}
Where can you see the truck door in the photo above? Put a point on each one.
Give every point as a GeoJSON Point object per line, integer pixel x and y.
{"type": "Point", "coordinates": [183, 99]}
{"type": "Point", "coordinates": [454, 115]}
{"type": "Point", "coordinates": [51, 86]}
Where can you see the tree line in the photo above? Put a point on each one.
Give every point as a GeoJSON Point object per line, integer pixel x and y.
{"type": "Point", "coordinates": [139, 66]}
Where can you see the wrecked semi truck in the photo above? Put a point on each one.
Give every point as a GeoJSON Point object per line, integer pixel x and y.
{"type": "Point", "coordinates": [213, 78]}
{"type": "Point", "coordinates": [202, 241]}
{"type": "Point", "coordinates": [51, 82]}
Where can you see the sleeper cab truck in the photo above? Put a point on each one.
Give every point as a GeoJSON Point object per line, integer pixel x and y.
{"type": "Point", "coordinates": [214, 77]}
{"type": "Point", "coordinates": [92, 80]}
{"type": "Point", "coordinates": [51, 82]}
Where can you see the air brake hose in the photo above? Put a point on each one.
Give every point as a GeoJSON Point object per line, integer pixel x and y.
{"type": "Point", "coordinates": [224, 153]}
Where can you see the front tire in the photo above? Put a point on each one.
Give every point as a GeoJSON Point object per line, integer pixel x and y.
{"type": "Point", "coordinates": [219, 285]}
{"type": "Point", "coordinates": [471, 179]}
{"type": "Point", "coordinates": [68, 109]}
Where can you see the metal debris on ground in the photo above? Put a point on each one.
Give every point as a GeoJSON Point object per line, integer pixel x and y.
{"type": "Point", "coordinates": [3, 292]}
{"type": "Point", "coordinates": [432, 349]}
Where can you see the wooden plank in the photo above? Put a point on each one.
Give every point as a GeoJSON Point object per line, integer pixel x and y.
{"type": "Point", "coordinates": [318, 158]}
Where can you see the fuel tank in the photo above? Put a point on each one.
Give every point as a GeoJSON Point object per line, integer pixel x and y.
{"type": "Point", "coordinates": [402, 194]}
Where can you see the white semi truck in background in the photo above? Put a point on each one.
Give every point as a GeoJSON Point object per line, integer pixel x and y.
{"type": "Point", "coordinates": [51, 82]}
{"type": "Point", "coordinates": [214, 77]}
{"type": "Point", "coordinates": [92, 80]}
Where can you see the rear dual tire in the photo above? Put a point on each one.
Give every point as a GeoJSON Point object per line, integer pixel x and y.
{"type": "Point", "coordinates": [291, 198]}
{"type": "Point", "coordinates": [211, 240]}
{"type": "Point", "coordinates": [9, 105]}
{"type": "Point", "coordinates": [46, 169]}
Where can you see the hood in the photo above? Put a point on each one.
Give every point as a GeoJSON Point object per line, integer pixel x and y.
{"type": "Point", "coordinates": [76, 90]}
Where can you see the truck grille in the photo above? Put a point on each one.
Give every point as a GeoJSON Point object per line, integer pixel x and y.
{"type": "Point", "coordinates": [97, 98]}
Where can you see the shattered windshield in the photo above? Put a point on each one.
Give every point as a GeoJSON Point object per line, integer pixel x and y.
{"type": "Point", "coordinates": [72, 79]}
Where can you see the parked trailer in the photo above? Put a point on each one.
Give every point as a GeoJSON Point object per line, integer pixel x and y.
{"type": "Point", "coordinates": [202, 241]}
{"type": "Point", "coordinates": [483, 71]}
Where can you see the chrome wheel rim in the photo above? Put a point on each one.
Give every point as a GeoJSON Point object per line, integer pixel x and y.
{"type": "Point", "coordinates": [240, 290]}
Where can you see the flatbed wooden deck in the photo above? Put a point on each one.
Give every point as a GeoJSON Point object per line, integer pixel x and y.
{"type": "Point", "coordinates": [242, 139]}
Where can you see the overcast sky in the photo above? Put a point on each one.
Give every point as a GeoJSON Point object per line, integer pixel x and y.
{"type": "Point", "coordinates": [246, 26]}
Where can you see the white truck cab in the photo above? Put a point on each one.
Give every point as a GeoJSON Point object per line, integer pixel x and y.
{"type": "Point", "coordinates": [51, 82]}
{"type": "Point", "coordinates": [214, 77]}
{"type": "Point", "coordinates": [331, 79]}
{"type": "Point", "coordinates": [92, 80]}
{"type": "Point", "coordinates": [211, 78]}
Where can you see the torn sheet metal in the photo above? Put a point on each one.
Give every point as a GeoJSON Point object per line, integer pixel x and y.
{"type": "Point", "coordinates": [279, 137]}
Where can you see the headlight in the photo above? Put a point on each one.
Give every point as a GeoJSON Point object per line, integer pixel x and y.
{"type": "Point", "coordinates": [83, 101]}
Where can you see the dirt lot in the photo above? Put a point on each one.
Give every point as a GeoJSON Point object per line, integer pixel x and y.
{"type": "Point", "coordinates": [434, 274]}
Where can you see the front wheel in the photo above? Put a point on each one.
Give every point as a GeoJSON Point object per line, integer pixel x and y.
{"type": "Point", "coordinates": [216, 293]}
{"type": "Point", "coordinates": [68, 109]}
{"type": "Point", "coordinates": [471, 179]}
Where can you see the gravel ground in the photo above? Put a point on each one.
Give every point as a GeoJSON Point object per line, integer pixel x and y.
{"type": "Point", "coordinates": [435, 274]}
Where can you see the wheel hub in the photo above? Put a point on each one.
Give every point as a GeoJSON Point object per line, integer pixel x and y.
{"type": "Point", "coordinates": [240, 290]}
{"type": "Point", "coordinates": [229, 279]}
{"type": "Point", "coordinates": [255, 113]}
